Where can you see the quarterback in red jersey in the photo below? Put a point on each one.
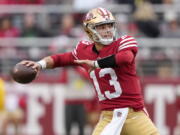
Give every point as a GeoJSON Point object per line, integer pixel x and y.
{"type": "Point", "coordinates": [110, 62]}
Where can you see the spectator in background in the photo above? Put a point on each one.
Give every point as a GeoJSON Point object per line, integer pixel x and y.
{"type": "Point", "coordinates": [126, 25]}
{"type": "Point", "coordinates": [30, 28]}
{"type": "Point", "coordinates": [122, 23]}
{"type": "Point", "coordinates": [67, 27]}
{"type": "Point", "coordinates": [12, 110]}
{"type": "Point", "coordinates": [7, 29]}
{"type": "Point", "coordinates": [66, 30]}
{"type": "Point", "coordinates": [146, 19]}
{"type": "Point", "coordinates": [170, 27]}
{"type": "Point", "coordinates": [2, 103]}
{"type": "Point", "coordinates": [165, 71]}
{"type": "Point", "coordinates": [168, 1]}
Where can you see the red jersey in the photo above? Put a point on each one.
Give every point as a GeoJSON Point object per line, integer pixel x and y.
{"type": "Point", "coordinates": [11, 32]}
{"type": "Point", "coordinates": [115, 87]}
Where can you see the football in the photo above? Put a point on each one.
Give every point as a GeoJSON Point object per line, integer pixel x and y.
{"type": "Point", "coordinates": [23, 74]}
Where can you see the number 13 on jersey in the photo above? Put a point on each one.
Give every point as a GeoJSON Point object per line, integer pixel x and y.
{"type": "Point", "coordinates": [112, 82]}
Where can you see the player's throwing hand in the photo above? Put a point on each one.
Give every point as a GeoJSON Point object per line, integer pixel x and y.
{"type": "Point", "coordinates": [90, 63]}
{"type": "Point", "coordinates": [32, 64]}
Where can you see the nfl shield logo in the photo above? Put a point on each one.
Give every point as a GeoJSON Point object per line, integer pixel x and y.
{"type": "Point", "coordinates": [119, 114]}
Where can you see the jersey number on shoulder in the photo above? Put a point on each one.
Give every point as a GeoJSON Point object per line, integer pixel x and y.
{"type": "Point", "coordinates": [113, 82]}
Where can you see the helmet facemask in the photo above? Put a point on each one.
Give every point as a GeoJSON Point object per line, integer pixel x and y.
{"type": "Point", "coordinates": [97, 34]}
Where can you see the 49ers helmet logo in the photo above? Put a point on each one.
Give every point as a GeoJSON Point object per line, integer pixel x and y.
{"type": "Point", "coordinates": [104, 13]}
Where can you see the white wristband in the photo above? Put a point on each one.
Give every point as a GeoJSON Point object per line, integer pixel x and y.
{"type": "Point", "coordinates": [96, 65]}
{"type": "Point", "coordinates": [42, 63]}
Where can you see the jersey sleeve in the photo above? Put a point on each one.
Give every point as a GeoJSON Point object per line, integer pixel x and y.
{"type": "Point", "coordinates": [128, 43]}
{"type": "Point", "coordinates": [63, 59]}
{"type": "Point", "coordinates": [67, 59]}
{"type": "Point", "coordinates": [127, 50]}
{"type": "Point", "coordinates": [124, 57]}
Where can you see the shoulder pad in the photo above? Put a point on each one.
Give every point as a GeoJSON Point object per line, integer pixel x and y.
{"type": "Point", "coordinates": [80, 46]}
{"type": "Point", "coordinates": [84, 42]}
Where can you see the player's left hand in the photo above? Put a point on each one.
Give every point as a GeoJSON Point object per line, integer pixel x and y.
{"type": "Point", "coordinates": [89, 63]}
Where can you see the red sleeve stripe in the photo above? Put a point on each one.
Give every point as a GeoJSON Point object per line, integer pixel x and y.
{"type": "Point", "coordinates": [74, 54]}
{"type": "Point", "coordinates": [132, 45]}
{"type": "Point", "coordinates": [129, 43]}
{"type": "Point", "coordinates": [126, 39]}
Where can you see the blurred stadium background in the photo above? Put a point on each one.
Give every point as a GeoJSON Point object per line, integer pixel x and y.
{"type": "Point", "coordinates": [32, 29]}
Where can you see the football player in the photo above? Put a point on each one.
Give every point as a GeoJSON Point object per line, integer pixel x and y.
{"type": "Point", "coordinates": [110, 62]}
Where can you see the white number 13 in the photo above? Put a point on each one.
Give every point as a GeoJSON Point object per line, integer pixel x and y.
{"type": "Point", "coordinates": [113, 82]}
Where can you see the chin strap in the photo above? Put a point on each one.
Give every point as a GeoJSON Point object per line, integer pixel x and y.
{"type": "Point", "coordinates": [106, 41]}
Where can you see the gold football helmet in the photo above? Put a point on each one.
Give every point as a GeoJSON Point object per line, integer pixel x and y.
{"type": "Point", "coordinates": [97, 17]}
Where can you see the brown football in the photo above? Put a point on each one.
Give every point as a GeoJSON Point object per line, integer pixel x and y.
{"type": "Point", "coordinates": [23, 74]}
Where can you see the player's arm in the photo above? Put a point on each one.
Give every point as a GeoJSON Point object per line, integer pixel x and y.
{"type": "Point", "coordinates": [53, 61]}
{"type": "Point", "coordinates": [116, 60]}
{"type": "Point", "coordinates": [49, 62]}
{"type": "Point", "coordinates": [123, 57]}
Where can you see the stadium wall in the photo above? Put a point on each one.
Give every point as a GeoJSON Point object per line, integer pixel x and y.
{"type": "Point", "coordinates": [45, 106]}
